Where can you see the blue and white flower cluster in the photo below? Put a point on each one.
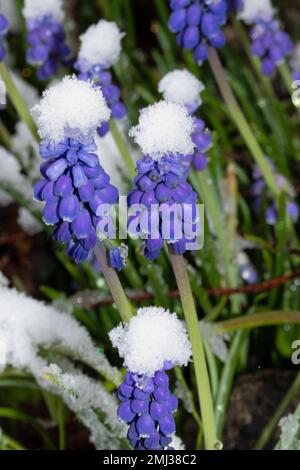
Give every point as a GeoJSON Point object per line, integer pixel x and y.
{"type": "Point", "coordinates": [46, 36]}
{"type": "Point", "coordinates": [153, 342]}
{"type": "Point", "coordinates": [197, 24]}
{"type": "Point", "coordinates": [182, 87]}
{"type": "Point", "coordinates": [269, 43]}
{"type": "Point", "coordinates": [163, 203]}
{"type": "Point", "coordinates": [100, 50]}
{"type": "Point", "coordinates": [75, 188]}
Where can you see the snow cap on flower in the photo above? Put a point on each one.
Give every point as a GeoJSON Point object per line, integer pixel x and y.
{"type": "Point", "coordinates": [73, 109]}
{"type": "Point", "coordinates": [151, 338]}
{"type": "Point", "coordinates": [101, 44]}
{"type": "Point", "coordinates": [181, 87]}
{"type": "Point", "coordinates": [164, 128]}
{"type": "Point", "coordinates": [255, 8]}
{"type": "Point", "coordinates": [37, 8]}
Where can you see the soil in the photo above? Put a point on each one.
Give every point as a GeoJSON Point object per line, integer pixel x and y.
{"type": "Point", "coordinates": [253, 401]}
{"type": "Point", "coordinates": [23, 258]}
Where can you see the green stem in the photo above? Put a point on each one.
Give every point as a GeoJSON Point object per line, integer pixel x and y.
{"type": "Point", "coordinates": [18, 100]}
{"type": "Point", "coordinates": [61, 425]}
{"type": "Point", "coordinates": [226, 382]}
{"type": "Point", "coordinates": [104, 5]}
{"type": "Point", "coordinates": [5, 136]}
{"type": "Point", "coordinates": [123, 149]}
{"type": "Point", "coordinates": [286, 76]}
{"type": "Point", "coordinates": [210, 201]}
{"type": "Point", "coordinates": [202, 377]}
{"type": "Point", "coordinates": [212, 367]}
{"type": "Point", "coordinates": [240, 120]}
{"type": "Point", "coordinates": [281, 409]}
{"type": "Point", "coordinates": [257, 320]}
{"type": "Point", "coordinates": [279, 125]}
{"type": "Point", "coordinates": [113, 283]}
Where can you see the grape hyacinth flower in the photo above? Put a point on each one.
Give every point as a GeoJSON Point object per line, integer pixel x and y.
{"type": "Point", "coordinates": [118, 257]}
{"type": "Point", "coordinates": [46, 36]}
{"type": "Point", "coordinates": [197, 24]}
{"type": "Point", "coordinates": [269, 43]}
{"type": "Point", "coordinates": [153, 342]}
{"type": "Point", "coordinates": [259, 189]}
{"type": "Point", "coordinates": [3, 30]}
{"type": "Point", "coordinates": [163, 205]}
{"type": "Point", "coordinates": [75, 188]}
{"type": "Point", "coordinates": [182, 87]}
{"type": "Point", "coordinates": [100, 50]}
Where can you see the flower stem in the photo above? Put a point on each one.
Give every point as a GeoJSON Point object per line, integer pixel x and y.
{"type": "Point", "coordinates": [202, 377]}
{"type": "Point", "coordinates": [5, 136]}
{"type": "Point", "coordinates": [113, 283]}
{"type": "Point", "coordinates": [240, 120]}
{"type": "Point", "coordinates": [286, 76]}
{"type": "Point", "coordinates": [122, 147]}
{"type": "Point", "coordinates": [209, 199]}
{"type": "Point", "coordinates": [227, 380]}
{"type": "Point", "coordinates": [18, 100]}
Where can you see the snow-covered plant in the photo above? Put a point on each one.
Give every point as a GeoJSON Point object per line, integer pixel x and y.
{"type": "Point", "coordinates": [46, 36]}
{"type": "Point", "coordinates": [252, 9]}
{"type": "Point", "coordinates": [290, 432]}
{"type": "Point", "coordinates": [269, 43]}
{"type": "Point", "coordinates": [74, 184]}
{"type": "Point", "coordinates": [28, 325]}
{"type": "Point", "coordinates": [100, 48]}
{"type": "Point", "coordinates": [93, 405]}
{"type": "Point", "coordinates": [164, 134]}
{"type": "Point", "coordinates": [32, 333]}
{"type": "Point", "coordinates": [153, 342]}
{"type": "Point", "coordinates": [182, 87]}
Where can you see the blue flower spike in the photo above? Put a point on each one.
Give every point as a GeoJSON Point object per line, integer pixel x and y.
{"type": "Point", "coordinates": [152, 343]}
